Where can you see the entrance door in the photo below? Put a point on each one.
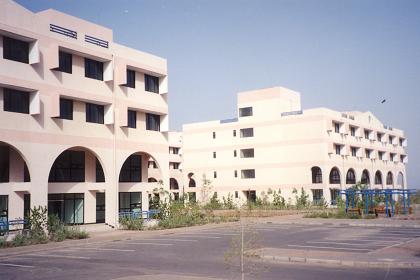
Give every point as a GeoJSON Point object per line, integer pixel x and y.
{"type": "Point", "coordinates": [26, 209]}
{"type": "Point", "coordinates": [100, 207]}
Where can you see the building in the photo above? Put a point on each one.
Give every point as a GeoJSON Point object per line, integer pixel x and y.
{"type": "Point", "coordinates": [273, 144]}
{"type": "Point", "coordinates": [80, 117]}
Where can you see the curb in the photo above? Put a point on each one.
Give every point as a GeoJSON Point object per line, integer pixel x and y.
{"type": "Point", "coordinates": [346, 263]}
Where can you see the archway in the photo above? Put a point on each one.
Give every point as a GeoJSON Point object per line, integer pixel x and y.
{"type": "Point", "coordinates": [151, 180]}
{"type": "Point", "coordinates": [173, 183]}
{"type": "Point", "coordinates": [378, 178]}
{"type": "Point", "coordinates": [72, 195]}
{"type": "Point", "coordinates": [365, 180]}
{"type": "Point", "coordinates": [351, 176]}
{"type": "Point", "coordinates": [400, 180]}
{"type": "Point", "coordinates": [316, 175]}
{"type": "Point", "coordinates": [191, 182]}
{"type": "Point", "coordinates": [389, 179]}
{"type": "Point", "coordinates": [335, 176]}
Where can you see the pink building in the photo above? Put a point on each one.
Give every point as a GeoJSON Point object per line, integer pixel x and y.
{"type": "Point", "coordinates": [80, 118]}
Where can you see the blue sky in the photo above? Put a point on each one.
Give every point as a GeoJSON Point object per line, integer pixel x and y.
{"type": "Point", "coordinates": [345, 55]}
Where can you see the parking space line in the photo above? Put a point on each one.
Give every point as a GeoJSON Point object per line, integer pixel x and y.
{"type": "Point", "coordinates": [215, 233]}
{"type": "Point", "coordinates": [58, 256]}
{"type": "Point", "coordinates": [170, 239]}
{"type": "Point", "coordinates": [199, 236]}
{"type": "Point", "coordinates": [149, 243]}
{"type": "Point", "coordinates": [107, 249]}
{"type": "Point", "coordinates": [344, 243]}
{"type": "Point", "coordinates": [332, 248]}
{"type": "Point", "coordinates": [366, 240]}
{"type": "Point", "coordinates": [16, 265]}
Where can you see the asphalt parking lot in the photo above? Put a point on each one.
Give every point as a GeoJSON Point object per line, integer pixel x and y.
{"type": "Point", "coordinates": [201, 254]}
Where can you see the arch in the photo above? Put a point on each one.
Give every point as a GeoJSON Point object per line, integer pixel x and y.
{"type": "Point", "coordinates": [351, 176]}
{"type": "Point", "coordinates": [365, 180]}
{"type": "Point", "coordinates": [152, 180]}
{"type": "Point", "coordinates": [173, 184]}
{"type": "Point", "coordinates": [191, 182]}
{"type": "Point", "coordinates": [335, 176]}
{"type": "Point", "coordinates": [389, 179]}
{"type": "Point", "coordinates": [70, 166]}
{"type": "Point", "coordinates": [133, 167]}
{"type": "Point", "coordinates": [400, 180]}
{"type": "Point", "coordinates": [316, 175]}
{"type": "Point", "coordinates": [378, 178]}
{"type": "Point", "coordinates": [9, 154]}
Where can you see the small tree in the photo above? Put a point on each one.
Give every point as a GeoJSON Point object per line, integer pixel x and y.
{"type": "Point", "coordinates": [205, 189]}
{"type": "Point", "coordinates": [228, 202]}
{"type": "Point", "coordinates": [302, 201]}
{"type": "Point", "coordinates": [38, 224]}
{"type": "Point", "coordinates": [278, 200]}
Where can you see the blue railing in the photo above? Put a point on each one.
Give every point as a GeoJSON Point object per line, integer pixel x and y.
{"type": "Point", "coordinates": [63, 31]}
{"type": "Point", "coordinates": [137, 214]}
{"type": "Point", "coordinates": [5, 225]}
{"type": "Point", "coordinates": [96, 41]}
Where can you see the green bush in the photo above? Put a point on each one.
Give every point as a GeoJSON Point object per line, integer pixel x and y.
{"type": "Point", "coordinates": [130, 223]}
{"type": "Point", "coordinates": [21, 240]}
{"type": "Point", "coordinates": [228, 202]}
{"type": "Point", "coordinates": [74, 232]}
{"type": "Point", "coordinates": [56, 229]}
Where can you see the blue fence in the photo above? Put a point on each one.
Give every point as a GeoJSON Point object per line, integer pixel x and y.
{"type": "Point", "coordinates": [137, 214]}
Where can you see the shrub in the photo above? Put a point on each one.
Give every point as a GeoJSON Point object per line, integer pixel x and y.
{"type": "Point", "coordinates": [56, 229]}
{"type": "Point", "coordinates": [302, 201]}
{"type": "Point", "coordinates": [74, 232]}
{"type": "Point", "coordinates": [214, 203]}
{"type": "Point", "coordinates": [38, 223]}
{"type": "Point", "coordinates": [131, 223]}
{"type": "Point", "coordinates": [20, 240]}
{"type": "Point", "coordinates": [228, 202]}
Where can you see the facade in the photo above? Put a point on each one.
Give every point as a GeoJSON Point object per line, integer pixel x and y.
{"type": "Point", "coordinates": [273, 144]}
{"type": "Point", "coordinates": [80, 118]}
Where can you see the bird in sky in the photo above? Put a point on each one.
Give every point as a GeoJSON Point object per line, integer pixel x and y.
{"type": "Point", "coordinates": [383, 101]}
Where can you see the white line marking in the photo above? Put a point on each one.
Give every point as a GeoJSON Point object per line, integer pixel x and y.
{"type": "Point", "coordinates": [17, 265]}
{"type": "Point", "coordinates": [211, 233]}
{"type": "Point", "coordinates": [200, 236]}
{"type": "Point", "coordinates": [344, 243]}
{"type": "Point", "coordinates": [58, 256]}
{"type": "Point", "coordinates": [322, 247]}
{"type": "Point", "coordinates": [170, 239]}
{"type": "Point", "coordinates": [108, 249]}
{"type": "Point", "coordinates": [149, 243]}
{"type": "Point", "coordinates": [367, 240]}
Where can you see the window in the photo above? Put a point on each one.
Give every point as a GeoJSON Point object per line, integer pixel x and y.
{"type": "Point", "coordinates": [132, 119]}
{"type": "Point", "coordinates": [15, 101]}
{"type": "Point", "coordinates": [65, 63]}
{"type": "Point", "coordinates": [402, 158]}
{"type": "Point", "coordinates": [129, 201]}
{"type": "Point", "coordinates": [151, 83]}
{"type": "Point", "coordinates": [248, 173]}
{"type": "Point", "coordinates": [335, 193]}
{"type": "Point", "coordinates": [368, 153]}
{"type": "Point", "coordinates": [214, 154]}
{"type": "Point", "coordinates": [235, 173]}
{"type": "Point", "coordinates": [389, 179]}
{"type": "Point", "coordinates": [192, 197]}
{"type": "Point", "coordinates": [214, 174]}
{"type": "Point", "coordinates": [236, 194]}
{"type": "Point", "coordinates": [247, 153]}
{"type": "Point", "coordinates": [68, 167]}
{"type": "Point", "coordinates": [131, 169]}
{"type": "Point", "coordinates": [16, 50]}
{"type": "Point", "coordinates": [94, 69]}
{"type": "Point", "coordinates": [391, 139]}
{"type": "Point", "coordinates": [317, 196]}
{"type": "Point", "coordinates": [247, 132]}
{"type": "Point", "coordinates": [337, 149]}
{"type": "Point", "coordinates": [94, 113]}
{"type": "Point", "coordinates": [367, 133]}
{"type": "Point", "coordinates": [173, 184]}
{"type": "Point", "coordinates": [336, 127]}
{"type": "Point", "coordinates": [152, 164]}
{"type": "Point", "coordinates": [381, 155]}
{"type": "Point", "coordinates": [350, 177]}
{"type": "Point", "coordinates": [352, 131]}
{"type": "Point", "coordinates": [4, 208]}
{"type": "Point", "coordinates": [353, 151]}
{"type": "Point", "coordinates": [174, 150]}
{"type": "Point", "coordinates": [234, 133]}
{"type": "Point", "coordinates": [66, 109]}
{"type": "Point", "coordinates": [379, 136]}
{"type": "Point", "coordinates": [335, 176]}
{"type": "Point", "coordinates": [365, 177]}
{"type": "Point", "coordinates": [100, 176]}
{"type": "Point", "coordinates": [378, 178]}
{"type": "Point", "coordinates": [234, 153]}
{"type": "Point", "coordinates": [214, 135]}
{"type": "Point", "coordinates": [4, 164]}
{"type": "Point", "coordinates": [401, 142]}
{"type": "Point", "coordinates": [131, 78]}
{"type": "Point", "coordinates": [392, 156]}
{"type": "Point", "coordinates": [175, 165]}
{"type": "Point", "coordinates": [316, 175]}
{"type": "Point", "coordinates": [68, 207]}
{"type": "Point", "coordinates": [245, 112]}
{"type": "Point", "coordinates": [191, 183]}
{"type": "Point", "coordinates": [26, 175]}
{"type": "Point", "coordinates": [152, 122]}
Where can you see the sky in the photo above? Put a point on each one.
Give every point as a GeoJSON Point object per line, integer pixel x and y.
{"type": "Point", "coordinates": [344, 55]}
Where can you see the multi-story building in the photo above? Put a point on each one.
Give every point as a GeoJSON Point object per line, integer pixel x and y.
{"type": "Point", "coordinates": [80, 117]}
{"type": "Point", "coordinates": [273, 144]}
